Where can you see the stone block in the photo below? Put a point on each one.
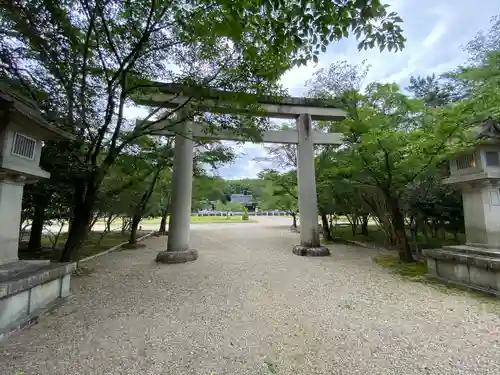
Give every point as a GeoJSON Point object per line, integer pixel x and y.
{"type": "Point", "coordinates": [461, 272]}
{"type": "Point", "coordinates": [319, 251]}
{"type": "Point", "coordinates": [447, 271]}
{"type": "Point", "coordinates": [431, 267]}
{"type": "Point", "coordinates": [13, 308]}
{"type": "Point", "coordinates": [24, 275]}
{"type": "Point", "coordinates": [170, 257]}
{"type": "Point", "coordinates": [43, 294]}
{"type": "Point", "coordinates": [483, 278]}
{"type": "Point", "coordinates": [65, 286]}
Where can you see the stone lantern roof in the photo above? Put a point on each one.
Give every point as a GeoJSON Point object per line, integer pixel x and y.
{"type": "Point", "coordinates": [12, 103]}
{"type": "Point", "coordinates": [490, 129]}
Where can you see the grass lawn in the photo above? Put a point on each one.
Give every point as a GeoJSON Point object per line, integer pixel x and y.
{"type": "Point", "coordinates": [194, 220]}
{"type": "Point", "coordinates": [219, 219]}
{"type": "Point", "coordinates": [205, 219]}
{"type": "Point", "coordinates": [93, 245]}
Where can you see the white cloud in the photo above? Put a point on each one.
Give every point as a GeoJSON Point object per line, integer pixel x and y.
{"type": "Point", "coordinates": [437, 32]}
{"type": "Point", "coordinates": [294, 80]}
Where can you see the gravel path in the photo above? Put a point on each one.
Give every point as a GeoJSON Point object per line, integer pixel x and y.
{"type": "Point", "coordinates": [248, 299]}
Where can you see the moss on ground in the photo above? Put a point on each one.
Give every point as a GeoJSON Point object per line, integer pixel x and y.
{"type": "Point", "coordinates": [219, 219]}
{"type": "Point", "coordinates": [417, 272]}
{"type": "Point", "coordinates": [411, 270]}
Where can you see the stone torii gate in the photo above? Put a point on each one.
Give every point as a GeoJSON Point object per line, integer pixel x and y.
{"type": "Point", "coordinates": [303, 110]}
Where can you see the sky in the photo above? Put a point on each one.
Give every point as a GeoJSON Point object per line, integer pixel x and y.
{"type": "Point", "coordinates": [436, 31]}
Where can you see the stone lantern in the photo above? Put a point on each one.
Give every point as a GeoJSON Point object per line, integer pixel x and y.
{"type": "Point", "coordinates": [27, 288]}
{"type": "Point", "coordinates": [477, 174]}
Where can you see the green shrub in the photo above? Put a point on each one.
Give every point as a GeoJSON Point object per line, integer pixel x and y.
{"type": "Point", "coordinates": [245, 214]}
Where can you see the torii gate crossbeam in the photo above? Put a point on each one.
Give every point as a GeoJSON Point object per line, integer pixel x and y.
{"type": "Point", "coordinates": [302, 109]}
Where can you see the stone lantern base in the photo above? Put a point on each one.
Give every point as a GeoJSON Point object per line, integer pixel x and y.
{"type": "Point", "coordinates": [28, 289]}
{"type": "Point", "coordinates": [470, 266]}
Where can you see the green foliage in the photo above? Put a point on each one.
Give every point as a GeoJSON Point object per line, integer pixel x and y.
{"type": "Point", "coordinates": [393, 143]}
{"type": "Point", "coordinates": [245, 214]}
{"type": "Point", "coordinates": [430, 90]}
{"type": "Point", "coordinates": [281, 192]}
{"type": "Point", "coordinates": [230, 207]}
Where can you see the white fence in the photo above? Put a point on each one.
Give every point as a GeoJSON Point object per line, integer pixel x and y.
{"type": "Point", "coordinates": [226, 213]}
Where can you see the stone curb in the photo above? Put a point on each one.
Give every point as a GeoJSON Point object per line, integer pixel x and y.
{"type": "Point", "coordinates": [110, 250]}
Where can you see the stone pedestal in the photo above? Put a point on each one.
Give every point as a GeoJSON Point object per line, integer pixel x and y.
{"type": "Point", "coordinates": [178, 256]}
{"type": "Point", "coordinates": [11, 197]}
{"type": "Point", "coordinates": [470, 266]}
{"type": "Point", "coordinates": [477, 263]}
{"type": "Point", "coordinates": [28, 289]}
{"type": "Point", "coordinates": [319, 251]}
{"type": "Point", "coordinates": [482, 215]}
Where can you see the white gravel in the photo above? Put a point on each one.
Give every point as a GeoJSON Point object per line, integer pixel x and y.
{"type": "Point", "coordinates": [248, 299]}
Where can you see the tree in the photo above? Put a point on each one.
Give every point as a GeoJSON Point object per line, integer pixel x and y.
{"type": "Point", "coordinates": [50, 199]}
{"type": "Point", "coordinates": [230, 207]}
{"type": "Point", "coordinates": [281, 156]}
{"type": "Point", "coordinates": [430, 90]}
{"type": "Point", "coordinates": [339, 78]}
{"type": "Point", "coordinates": [281, 193]}
{"type": "Point", "coordinates": [338, 195]}
{"type": "Point", "coordinates": [162, 196]}
{"type": "Point", "coordinates": [398, 141]}
{"type": "Point", "coordinates": [209, 189]}
{"type": "Point", "coordinates": [484, 43]}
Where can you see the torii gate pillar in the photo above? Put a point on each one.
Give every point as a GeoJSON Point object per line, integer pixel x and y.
{"type": "Point", "coordinates": [178, 250]}
{"type": "Point", "coordinates": [308, 201]}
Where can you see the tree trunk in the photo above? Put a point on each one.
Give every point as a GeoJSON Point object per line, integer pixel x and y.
{"type": "Point", "coordinates": [35, 242]}
{"type": "Point", "coordinates": [442, 229]}
{"type": "Point", "coordinates": [108, 223]}
{"type": "Point", "coordinates": [398, 223]}
{"type": "Point", "coordinates": [326, 228]}
{"type": "Point", "coordinates": [82, 216]}
{"type": "Point", "coordinates": [424, 224]}
{"type": "Point", "coordinates": [354, 225]}
{"type": "Point", "coordinates": [164, 216]}
{"type": "Point", "coordinates": [294, 218]}
{"type": "Point", "coordinates": [364, 225]}
{"type": "Point", "coordinates": [124, 224]}
{"type": "Point", "coordinates": [136, 219]}
{"type": "Point", "coordinates": [132, 240]}
{"type": "Point", "coordinates": [163, 223]}
{"type": "Point", "coordinates": [77, 233]}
